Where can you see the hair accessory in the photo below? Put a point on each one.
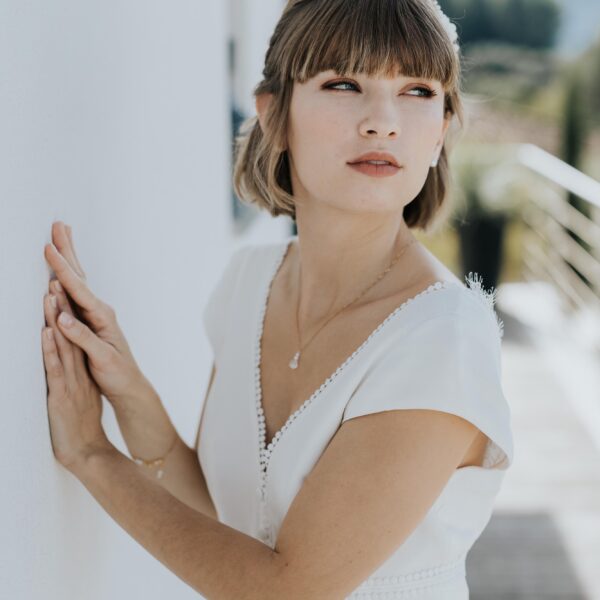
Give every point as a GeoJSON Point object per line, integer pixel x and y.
{"type": "Point", "coordinates": [157, 462]}
{"type": "Point", "coordinates": [449, 26]}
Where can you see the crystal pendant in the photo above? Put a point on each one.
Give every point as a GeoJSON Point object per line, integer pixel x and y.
{"type": "Point", "coordinates": [294, 361]}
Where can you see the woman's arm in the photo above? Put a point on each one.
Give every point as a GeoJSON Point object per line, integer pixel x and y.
{"type": "Point", "coordinates": [218, 561]}
{"type": "Point", "coordinates": [143, 420]}
{"type": "Point", "coordinates": [364, 498]}
{"type": "Point", "coordinates": [148, 433]}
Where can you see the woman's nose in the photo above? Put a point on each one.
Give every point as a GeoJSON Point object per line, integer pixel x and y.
{"type": "Point", "coordinates": [380, 132]}
{"type": "Point", "coordinates": [384, 124]}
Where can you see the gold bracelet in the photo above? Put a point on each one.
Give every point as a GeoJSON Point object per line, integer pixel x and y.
{"type": "Point", "coordinates": [157, 462]}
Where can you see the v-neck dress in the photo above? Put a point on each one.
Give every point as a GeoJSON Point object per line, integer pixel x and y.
{"type": "Point", "coordinates": [438, 350]}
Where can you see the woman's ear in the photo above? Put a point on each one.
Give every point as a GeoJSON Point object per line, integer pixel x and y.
{"type": "Point", "coordinates": [262, 102]}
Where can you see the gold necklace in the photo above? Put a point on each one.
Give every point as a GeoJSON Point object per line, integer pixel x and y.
{"type": "Point", "coordinates": [293, 364]}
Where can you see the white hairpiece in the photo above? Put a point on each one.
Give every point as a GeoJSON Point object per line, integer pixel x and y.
{"type": "Point", "coordinates": [449, 26]}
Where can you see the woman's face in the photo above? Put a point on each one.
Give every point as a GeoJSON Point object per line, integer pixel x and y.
{"type": "Point", "coordinates": [334, 120]}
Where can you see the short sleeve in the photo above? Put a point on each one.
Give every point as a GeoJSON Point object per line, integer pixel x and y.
{"type": "Point", "coordinates": [450, 363]}
{"type": "Point", "coordinates": [214, 315]}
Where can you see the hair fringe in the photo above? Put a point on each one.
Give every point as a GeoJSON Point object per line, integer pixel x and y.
{"type": "Point", "coordinates": [376, 37]}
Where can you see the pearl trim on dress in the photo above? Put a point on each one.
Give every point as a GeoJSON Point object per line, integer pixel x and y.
{"type": "Point", "coordinates": [265, 451]}
{"type": "Point", "coordinates": [415, 582]}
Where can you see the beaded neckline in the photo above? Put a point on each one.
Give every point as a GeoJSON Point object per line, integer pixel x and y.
{"type": "Point", "coordinates": [473, 286]}
{"type": "Point", "coordinates": [266, 450]}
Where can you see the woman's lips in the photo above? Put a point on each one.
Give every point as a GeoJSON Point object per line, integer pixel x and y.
{"type": "Point", "coordinates": [374, 170]}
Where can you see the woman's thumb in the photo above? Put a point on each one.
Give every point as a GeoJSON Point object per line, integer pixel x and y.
{"type": "Point", "coordinates": [82, 336]}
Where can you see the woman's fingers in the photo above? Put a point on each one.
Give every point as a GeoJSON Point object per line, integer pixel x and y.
{"type": "Point", "coordinates": [64, 245]}
{"type": "Point", "coordinates": [98, 351]}
{"type": "Point", "coordinates": [63, 347]}
{"type": "Point", "coordinates": [63, 305]}
{"type": "Point", "coordinates": [62, 240]}
{"type": "Point", "coordinates": [95, 311]}
{"type": "Point", "coordinates": [70, 236]}
{"type": "Point", "coordinates": [54, 368]}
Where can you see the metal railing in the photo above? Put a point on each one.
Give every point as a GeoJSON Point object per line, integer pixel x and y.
{"type": "Point", "coordinates": [549, 252]}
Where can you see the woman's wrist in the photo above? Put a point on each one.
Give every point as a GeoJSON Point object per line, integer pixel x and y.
{"type": "Point", "coordinates": [145, 424]}
{"type": "Point", "coordinates": [139, 393]}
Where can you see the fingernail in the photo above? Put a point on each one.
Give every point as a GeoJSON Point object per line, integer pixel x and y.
{"type": "Point", "coordinates": [57, 286]}
{"type": "Point", "coordinates": [65, 319]}
{"type": "Point", "coordinates": [53, 300]}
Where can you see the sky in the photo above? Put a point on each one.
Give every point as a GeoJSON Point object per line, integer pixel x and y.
{"type": "Point", "coordinates": [580, 26]}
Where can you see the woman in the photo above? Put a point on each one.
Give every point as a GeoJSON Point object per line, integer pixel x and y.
{"type": "Point", "coordinates": [355, 433]}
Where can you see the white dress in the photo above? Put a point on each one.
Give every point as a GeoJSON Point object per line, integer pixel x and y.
{"type": "Point", "coordinates": [438, 350]}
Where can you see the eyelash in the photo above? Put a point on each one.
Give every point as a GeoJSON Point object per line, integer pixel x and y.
{"type": "Point", "coordinates": [428, 93]}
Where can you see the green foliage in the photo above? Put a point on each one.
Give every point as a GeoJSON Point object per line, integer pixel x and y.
{"type": "Point", "coordinates": [574, 121]}
{"type": "Point", "coordinates": [507, 72]}
{"type": "Point", "coordinates": [589, 67]}
{"type": "Point", "coordinates": [594, 95]}
{"type": "Point", "coordinates": [531, 23]}
{"type": "Point", "coordinates": [574, 132]}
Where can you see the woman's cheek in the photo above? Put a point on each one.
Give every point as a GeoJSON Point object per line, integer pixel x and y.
{"type": "Point", "coordinates": [423, 134]}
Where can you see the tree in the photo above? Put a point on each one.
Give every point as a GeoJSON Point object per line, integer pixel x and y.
{"type": "Point", "coordinates": [532, 23]}
{"type": "Point", "coordinates": [593, 94]}
{"type": "Point", "coordinates": [574, 131]}
{"type": "Point", "coordinates": [574, 120]}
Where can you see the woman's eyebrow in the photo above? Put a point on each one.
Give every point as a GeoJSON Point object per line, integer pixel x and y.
{"type": "Point", "coordinates": [400, 77]}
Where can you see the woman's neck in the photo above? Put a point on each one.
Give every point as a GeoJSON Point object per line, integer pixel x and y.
{"type": "Point", "coordinates": [327, 270]}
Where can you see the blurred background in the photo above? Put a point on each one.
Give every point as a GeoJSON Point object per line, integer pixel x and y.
{"type": "Point", "coordinates": [119, 120]}
{"type": "Point", "coordinates": [526, 216]}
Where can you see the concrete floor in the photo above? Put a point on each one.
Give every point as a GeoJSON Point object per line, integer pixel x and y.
{"type": "Point", "coordinates": [543, 540]}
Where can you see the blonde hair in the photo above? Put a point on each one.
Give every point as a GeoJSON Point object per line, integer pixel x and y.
{"type": "Point", "coordinates": [376, 37]}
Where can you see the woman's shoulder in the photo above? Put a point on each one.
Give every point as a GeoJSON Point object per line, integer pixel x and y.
{"type": "Point", "coordinates": [469, 300]}
{"type": "Point", "coordinates": [479, 301]}
{"type": "Point", "coordinates": [465, 296]}
{"type": "Point", "coordinates": [461, 305]}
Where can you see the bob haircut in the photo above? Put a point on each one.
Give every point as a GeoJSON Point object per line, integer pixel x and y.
{"type": "Point", "coordinates": [376, 37]}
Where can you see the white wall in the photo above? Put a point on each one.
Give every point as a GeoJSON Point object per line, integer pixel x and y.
{"type": "Point", "coordinates": [114, 117]}
{"type": "Point", "coordinates": [252, 22]}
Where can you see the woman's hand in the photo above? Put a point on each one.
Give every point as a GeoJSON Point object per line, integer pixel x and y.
{"type": "Point", "coordinates": [74, 401]}
{"type": "Point", "coordinates": [94, 330]}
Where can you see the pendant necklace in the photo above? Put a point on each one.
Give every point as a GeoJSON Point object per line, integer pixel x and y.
{"type": "Point", "coordinates": [293, 364]}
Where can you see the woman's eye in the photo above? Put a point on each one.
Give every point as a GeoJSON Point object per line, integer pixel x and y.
{"type": "Point", "coordinates": [424, 91]}
{"type": "Point", "coordinates": [427, 93]}
{"type": "Point", "coordinates": [334, 85]}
